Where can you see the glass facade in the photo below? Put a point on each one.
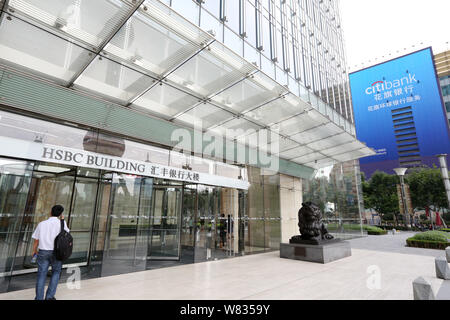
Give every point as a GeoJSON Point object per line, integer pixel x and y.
{"type": "Point", "coordinates": [445, 86]}
{"type": "Point", "coordinates": [121, 222]}
{"type": "Point", "coordinates": [289, 58]}
{"type": "Point", "coordinates": [224, 64]}
{"type": "Point", "coordinates": [337, 190]}
{"type": "Point", "coordinates": [297, 42]}
{"type": "Point", "coordinates": [442, 65]}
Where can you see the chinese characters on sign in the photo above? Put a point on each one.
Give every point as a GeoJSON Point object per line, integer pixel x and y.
{"type": "Point", "coordinates": [102, 161]}
{"type": "Point", "coordinates": [175, 174]}
{"type": "Point", "coordinates": [394, 103]}
{"type": "Point", "coordinates": [387, 94]}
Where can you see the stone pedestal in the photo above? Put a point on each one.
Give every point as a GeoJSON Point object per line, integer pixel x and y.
{"type": "Point", "coordinates": [322, 253]}
{"type": "Point", "coordinates": [422, 290]}
{"type": "Point", "coordinates": [442, 268]}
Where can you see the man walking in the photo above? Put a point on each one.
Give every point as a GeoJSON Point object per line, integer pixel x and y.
{"type": "Point", "coordinates": [44, 239]}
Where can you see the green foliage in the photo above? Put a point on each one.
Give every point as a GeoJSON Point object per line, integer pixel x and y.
{"type": "Point", "coordinates": [380, 193]}
{"type": "Point", "coordinates": [445, 229]}
{"type": "Point", "coordinates": [373, 229]}
{"type": "Point", "coordinates": [446, 217]}
{"type": "Point", "coordinates": [347, 227]}
{"type": "Point", "coordinates": [388, 217]}
{"type": "Point", "coordinates": [427, 188]}
{"type": "Point", "coordinates": [428, 244]}
{"type": "Point", "coordinates": [430, 240]}
{"type": "Point", "coordinates": [356, 227]}
{"type": "Point", "coordinates": [438, 236]}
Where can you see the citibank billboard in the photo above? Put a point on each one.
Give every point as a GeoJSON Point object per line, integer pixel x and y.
{"type": "Point", "coordinates": [399, 112]}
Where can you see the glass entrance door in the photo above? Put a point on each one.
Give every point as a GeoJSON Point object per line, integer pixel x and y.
{"type": "Point", "coordinates": [15, 180]}
{"type": "Point", "coordinates": [165, 223]}
{"type": "Point", "coordinates": [126, 240]}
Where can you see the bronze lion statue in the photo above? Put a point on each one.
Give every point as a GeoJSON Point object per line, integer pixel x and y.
{"type": "Point", "coordinates": [311, 226]}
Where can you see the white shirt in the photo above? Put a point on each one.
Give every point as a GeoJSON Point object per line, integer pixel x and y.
{"type": "Point", "coordinates": [47, 231]}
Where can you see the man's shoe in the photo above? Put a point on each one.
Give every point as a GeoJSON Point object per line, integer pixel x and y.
{"type": "Point", "coordinates": [51, 298]}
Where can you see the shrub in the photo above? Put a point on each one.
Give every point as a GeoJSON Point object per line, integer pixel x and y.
{"type": "Point", "coordinates": [371, 230]}
{"type": "Point", "coordinates": [445, 229]}
{"type": "Point", "coordinates": [430, 240]}
{"type": "Point", "coordinates": [446, 217]}
{"type": "Point", "coordinates": [376, 232]}
{"type": "Point", "coordinates": [427, 244]}
{"type": "Point", "coordinates": [438, 236]}
{"type": "Point", "coordinates": [400, 228]}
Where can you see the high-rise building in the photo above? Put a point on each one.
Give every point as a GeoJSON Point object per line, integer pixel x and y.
{"type": "Point", "coordinates": [171, 131]}
{"type": "Point", "coordinates": [442, 62]}
{"type": "Point", "coordinates": [289, 40]}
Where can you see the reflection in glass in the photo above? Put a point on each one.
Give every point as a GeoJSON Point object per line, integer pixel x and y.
{"type": "Point", "coordinates": [120, 252]}
{"type": "Point", "coordinates": [165, 223]}
{"type": "Point", "coordinates": [88, 21]}
{"type": "Point", "coordinates": [113, 80]}
{"type": "Point", "coordinates": [336, 190]}
{"type": "Point", "coordinates": [165, 101]}
{"type": "Point", "coordinates": [165, 51]}
{"type": "Point", "coordinates": [205, 114]}
{"type": "Point", "coordinates": [15, 180]}
{"type": "Point", "coordinates": [50, 185]}
{"type": "Point", "coordinates": [21, 46]}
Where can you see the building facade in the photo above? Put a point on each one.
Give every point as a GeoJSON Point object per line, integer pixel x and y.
{"type": "Point", "coordinates": [289, 40]}
{"type": "Point", "coordinates": [442, 61]}
{"type": "Point", "coordinates": [171, 131]}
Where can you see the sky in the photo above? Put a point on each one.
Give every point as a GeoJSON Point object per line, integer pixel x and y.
{"type": "Point", "coordinates": [377, 28]}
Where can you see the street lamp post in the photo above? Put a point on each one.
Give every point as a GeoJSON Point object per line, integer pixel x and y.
{"type": "Point", "coordinates": [401, 173]}
{"type": "Point", "coordinates": [444, 172]}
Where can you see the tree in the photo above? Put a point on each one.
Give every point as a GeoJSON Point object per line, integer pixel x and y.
{"type": "Point", "coordinates": [427, 188]}
{"type": "Point", "coordinates": [446, 217]}
{"type": "Point", "coordinates": [380, 193]}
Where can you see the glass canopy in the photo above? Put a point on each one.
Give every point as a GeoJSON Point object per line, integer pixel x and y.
{"type": "Point", "coordinates": [143, 55]}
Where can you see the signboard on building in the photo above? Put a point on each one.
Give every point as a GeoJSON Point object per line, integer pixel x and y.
{"type": "Point", "coordinates": [399, 112]}
{"type": "Point", "coordinates": [75, 157]}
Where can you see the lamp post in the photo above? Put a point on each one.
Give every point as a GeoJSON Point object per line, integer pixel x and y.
{"type": "Point", "coordinates": [444, 172]}
{"type": "Point", "coordinates": [401, 173]}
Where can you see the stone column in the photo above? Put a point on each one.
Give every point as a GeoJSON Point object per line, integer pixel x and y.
{"type": "Point", "coordinates": [291, 198]}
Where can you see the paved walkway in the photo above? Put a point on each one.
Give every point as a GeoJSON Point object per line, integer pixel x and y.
{"type": "Point", "coordinates": [392, 243]}
{"type": "Point", "coordinates": [266, 276]}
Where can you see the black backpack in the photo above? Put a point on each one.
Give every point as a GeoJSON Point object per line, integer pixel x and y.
{"type": "Point", "coordinates": [63, 244]}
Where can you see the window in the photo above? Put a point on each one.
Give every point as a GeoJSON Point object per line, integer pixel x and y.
{"type": "Point", "coordinates": [259, 25]}
{"type": "Point", "coordinates": [273, 33]}
{"type": "Point", "coordinates": [447, 106]}
{"type": "Point", "coordinates": [446, 90]}
{"type": "Point", "coordinates": [250, 22]}
{"type": "Point", "coordinates": [265, 40]}
{"type": "Point", "coordinates": [284, 38]}
{"type": "Point", "coordinates": [233, 15]}
{"type": "Point", "coordinates": [213, 6]}
{"type": "Point", "coordinates": [189, 9]}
